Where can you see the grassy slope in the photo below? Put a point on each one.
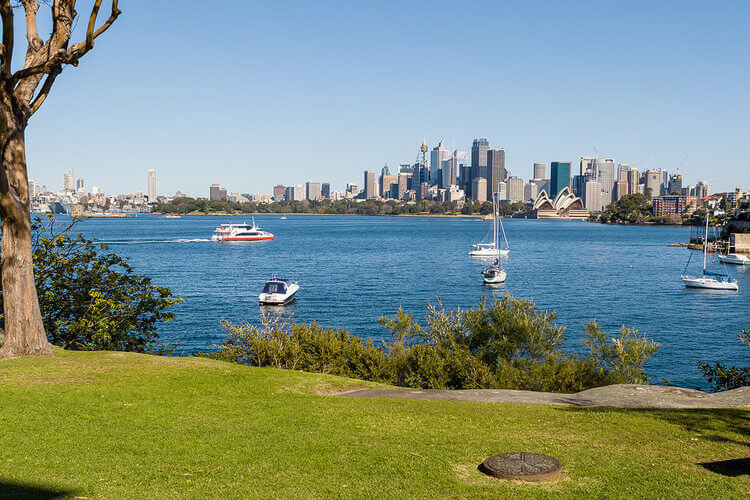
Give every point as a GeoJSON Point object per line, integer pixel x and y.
{"type": "Point", "coordinates": [117, 424]}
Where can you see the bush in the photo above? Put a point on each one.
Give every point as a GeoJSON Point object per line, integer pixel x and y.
{"type": "Point", "coordinates": [91, 299]}
{"type": "Point", "coordinates": [507, 344]}
{"type": "Point", "coordinates": [723, 378]}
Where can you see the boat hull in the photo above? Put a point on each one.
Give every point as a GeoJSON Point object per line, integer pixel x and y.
{"type": "Point", "coordinates": [488, 253]}
{"type": "Point", "coordinates": [494, 278]}
{"type": "Point", "coordinates": [709, 283]}
{"type": "Point", "coordinates": [731, 258]}
{"type": "Point", "coordinates": [278, 299]}
{"type": "Point", "coordinates": [219, 238]}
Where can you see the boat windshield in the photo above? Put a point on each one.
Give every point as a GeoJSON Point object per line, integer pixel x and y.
{"type": "Point", "coordinates": [275, 287]}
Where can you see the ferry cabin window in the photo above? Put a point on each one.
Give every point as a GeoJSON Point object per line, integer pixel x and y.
{"type": "Point", "coordinates": [273, 288]}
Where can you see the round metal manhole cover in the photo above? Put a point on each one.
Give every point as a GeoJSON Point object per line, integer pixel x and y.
{"type": "Point", "coordinates": [522, 465]}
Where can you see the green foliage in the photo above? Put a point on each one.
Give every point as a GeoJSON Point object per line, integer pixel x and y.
{"type": "Point", "coordinates": [624, 356]}
{"type": "Point", "coordinates": [723, 378]}
{"type": "Point", "coordinates": [90, 298]}
{"type": "Point", "coordinates": [631, 209]}
{"type": "Point", "coordinates": [507, 344]}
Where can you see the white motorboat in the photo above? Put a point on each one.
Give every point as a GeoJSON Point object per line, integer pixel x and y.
{"type": "Point", "coordinates": [278, 291]}
{"type": "Point", "coordinates": [494, 273]}
{"type": "Point", "coordinates": [172, 216]}
{"type": "Point", "coordinates": [240, 232]}
{"type": "Point", "coordinates": [493, 249]}
{"type": "Point", "coordinates": [734, 258]}
{"type": "Point", "coordinates": [708, 279]}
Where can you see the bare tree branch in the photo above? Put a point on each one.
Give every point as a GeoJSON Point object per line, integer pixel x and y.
{"type": "Point", "coordinates": [44, 92]}
{"type": "Point", "coordinates": [32, 35]}
{"type": "Point", "coordinates": [6, 12]}
{"type": "Point", "coordinates": [78, 50]}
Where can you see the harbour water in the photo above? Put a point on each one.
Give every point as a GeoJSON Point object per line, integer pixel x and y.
{"type": "Point", "coordinates": [353, 270]}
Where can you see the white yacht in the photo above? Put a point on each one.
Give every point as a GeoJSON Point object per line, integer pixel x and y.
{"type": "Point", "coordinates": [492, 249]}
{"type": "Point", "coordinates": [278, 291]}
{"type": "Point", "coordinates": [494, 274]}
{"type": "Point", "coordinates": [708, 279]}
{"type": "Point", "coordinates": [734, 258]}
{"type": "Point", "coordinates": [240, 232]}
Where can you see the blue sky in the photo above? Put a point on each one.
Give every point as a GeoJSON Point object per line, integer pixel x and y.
{"type": "Point", "coordinates": [251, 94]}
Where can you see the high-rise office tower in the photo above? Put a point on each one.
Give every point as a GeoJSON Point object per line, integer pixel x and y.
{"type": "Point", "coordinates": [438, 154]}
{"type": "Point", "coordinates": [279, 192]}
{"type": "Point", "coordinates": [634, 178]}
{"type": "Point", "coordinates": [604, 169]}
{"type": "Point", "coordinates": [325, 190]}
{"type": "Point", "coordinates": [403, 184]}
{"type": "Point", "coordinates": [479, 158]}
{"type": "Point", "coordinates": [69, 181]}
{"type": "Point", "coordinates": [385, 170]}
{"type": "Point", "coordinates": [622, 171]}
{"type": "Point", "coordinates": [586, 167]}
{"type": "Point", "coordinates": [479, 187]}
{"type": "Point", "coordinates": [295, 193]}
{"type": "Point", "coordinates": [386, 181]}
{"type": "Point", "coordinates": [621, 189]}
{"type": "Point", "coordinates": [495, 170]}
{"type": "Point", "coordinates": [449, 172]}
{"type": "Point", "coordinates": [579, 185]}
{"type": "Point", "coordinates": [371, 188]}
{"type": "Point", "coordinates": [502, 191]}
{"type": "Point", "coordinates": [592, 199]}
{"type": "Point", "coordinates": [664, 181]}
{"type": "Point", "coordinates": [559, 177]}
{"type": "Point", "coordinates": [675, 184]}
{"type": "Point", "coordinates": [79, 184]}
{"type": "Point", "coordinates": [151, 185]}
{"type": "Point", "coordinates": [530, 192]}
{"type": "Point", "coordinates": [313, 191]}
{"type": "Point", "coordinates": [540, 170]}
{"type": "Point", "coordinates": [515, 189]}
{"type": "Point", "coordinates": [652, 181]}
{"type": "Point", "coordinates": [217, 193]}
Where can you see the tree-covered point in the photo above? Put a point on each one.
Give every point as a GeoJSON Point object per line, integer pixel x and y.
{"type": "Point", "coordinates": [90, 298]}
{"type": "Point", "coordinates": [186, 205]}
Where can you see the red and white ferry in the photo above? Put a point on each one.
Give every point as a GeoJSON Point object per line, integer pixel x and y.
{"type": "Point", "coordinates": [240, 232]}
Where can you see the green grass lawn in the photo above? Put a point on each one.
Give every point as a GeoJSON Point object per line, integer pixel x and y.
{"type": "Point", "coordinates": [117, 425]}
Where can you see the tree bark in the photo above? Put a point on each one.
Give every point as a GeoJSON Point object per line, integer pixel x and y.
{"type": "Point", "coordinates": [24, 329]}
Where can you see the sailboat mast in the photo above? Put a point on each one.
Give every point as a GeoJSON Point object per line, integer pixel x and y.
{"type": "Point", "coordinates": [705, 246]}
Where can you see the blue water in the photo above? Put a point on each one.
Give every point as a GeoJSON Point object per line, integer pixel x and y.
{"type": "Point", "coordinates": [353, 270]}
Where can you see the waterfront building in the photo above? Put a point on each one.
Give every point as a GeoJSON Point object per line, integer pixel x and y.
{"type": "Point", "coordinates": [217, 193]}
{"type": "Point", "coordinates": [675, 184]}
{"type": "Point", "coordinates": [325, 191]}
{"type": "Point", "coordinates": [564, 206]}
{"type": "Point", "coordinates": [151, 185]}
{"type": "Point", "coordinates": [69, 182]}
{"type": "Point", "coordinates": [403, 184]}
{"type": "Point", "coordinates": [386, 185]}
{"type": "Point", "coordinates": [621, 189]}
{"type": "Point", "coordinates": [702, 190]}
{"type": "Point", "coordinates": [604, 169]}
{"type": "Point", "coordinates": [652, 181]}
{"type": "Point", "coordinates": [438, 154]}
{"type": "Point", "coordinates": [479, 188]}
{"type": "Point", "coordinates": [496, 170]}
{"type": "Point", "coordinates": [371, 188]}
{"type": "Point", "coordinates": [479, 149]}
{"type": "Point", "coordinates": [593, 196]}
{"type": "Point", "coordinates": [673, 205]}
{"type": "Point", "coordinates": [279, 191]}
{"type": "Point", "coordinates": [313, 191]}
{"type": "Point", "coordinates": [559, 177]}
{"type": "Point", "coordinates": [540, 171]}
{"type": "Point", "coordinates": [515, 189]}
{"type": "Point", "coordinates": [634, 179]}
{"type": "Point", "coordinates": [530, 192]}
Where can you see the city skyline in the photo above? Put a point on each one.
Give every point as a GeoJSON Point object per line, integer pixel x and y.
{"type": "Point", "coordinates": [355, 108]}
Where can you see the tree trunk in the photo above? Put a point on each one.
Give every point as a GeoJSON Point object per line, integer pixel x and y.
{"type": "Point", "coordinates": [24, 330]}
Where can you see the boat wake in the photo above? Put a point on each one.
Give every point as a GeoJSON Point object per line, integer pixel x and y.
{"type": "Point", "coordinates": [140, 242]}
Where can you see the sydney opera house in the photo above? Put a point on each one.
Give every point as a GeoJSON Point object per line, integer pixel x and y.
{"type": "Point", "coordinates": [565, 206]}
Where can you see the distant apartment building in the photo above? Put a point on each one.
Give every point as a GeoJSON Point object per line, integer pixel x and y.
{"type": "Point", "coordinates": [217, 193]}
{"type": "Point", "coordinates": [673, 205]}
{"type": "Point", "coordinates": [604, 170]}
{"type": "Point", "coordinates": [313, 191]}
{"type": "Point", "coordinates": [622, 171]}
{"type": "Point", "coordinates": [352, 190]}
{"type": "Point", "coordinates": [559, 177]}
{"type": "Point", "coordinates": [403, 184]}
{"type": "Point", "coordinates": [262, 198]}
{"type": "Point", "coordinates": [479, 188]}
{"type": "Point", "coordinates": [69, 181]}
{"type": "Point", "coordinates": [279, 192]}
{"type": "Point", "coordinates": [592, 198]}
{"type": "Point", "coordinates": [295, 193]}
{"type": "Point", "coordinates": [621, 189]}
{"type": "Point", "coordinates": [652, 180]}
{"type": "Point", "coordinates": [371, 188]}
{"type": "Point", "coordinates": [502, 191]}
{"type": "Point", "coordinates": [634, 179]}
{"type": "Point", "coordinates": [530, 192]}
{"type": "Point", "coordinates": [702, 190]}
{"type": "Point", "coordinates": [495, 170]}
{"type": "Point", "coordinates": [151, 185]}
{"type": "Point", "coordinates": [325, 191]}
{"type": "Point", "coordinates": [540, 171]}
{"type": "Point", "coordinates": [515, 189]}
{"type": "Point", "coordinates": [386, 183]}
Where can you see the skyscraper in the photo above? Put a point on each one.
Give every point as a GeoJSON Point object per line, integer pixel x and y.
{"type": "Point", "coordinates": [479, 158]}
{"type": "Point", "coordinates": [69, 181]}
{"type": "Point", "coordinates": [675, 184]}
{"type": "Point", "coordinates": [371, 189]}
{"type": "Point", "coordinates": [652, 181]}
{"type": "Point", "coordinates": [325, 190]}
{"type": "Point", "coordinates": [279, 192]}
{"type": "Point", "coordinates": [79, 183]}
{"type": "Point", "coordinates": [151, 185]}
{"type": "Point", "coordinates": [540, 171]}
{"type": "Point", "coordinates": [702, 190]}
{"type": "Point", "coordinates": [217, 193]}
{"type": "Point", "coordinates": [592, 199]}
{"type": "Point", "coordinates": [449, 171]}
{"type": "Point", "coordinates": [437, 155]}
{"type": "Point", "coordinates": [386, 181]}
{"type": "Point", "coordinates": [634, 178]}
{"type": "Point", "coordinates": [622, 171]}
{"type": "Point", "coordinates": [403, 184]}
{"type": "Point", "coordinates": [313, 191]}
{"type": "Point", "coordinates": [479, 187]}
{"type": "Point", "coordinates": [586, 167]}
{"type": "Point", "coordinates": [621, 189]}
{"type": "Point", "coordinates": [515, 189]}
{"type": "Point", "coordinates": [560, 177]}
{"type": "Point", "coordinates": [530, 192]}
{"type": "Point", "coordinates": [604, 169]}
{"type": "Point", "coordinates": [495, 170]}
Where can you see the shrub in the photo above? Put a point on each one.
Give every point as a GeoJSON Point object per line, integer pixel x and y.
{"type": "Point", "coordinates": [624, 356]}
{"type": "Point", "coordinates": [723, 378]}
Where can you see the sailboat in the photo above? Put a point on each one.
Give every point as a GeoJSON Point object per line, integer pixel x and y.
{"type": "Point", "coordinates": [283, 216]}
{"type": "Point", "coordinates": [709, 279]}
{"type": "Point", "coordinates": [492, 249]}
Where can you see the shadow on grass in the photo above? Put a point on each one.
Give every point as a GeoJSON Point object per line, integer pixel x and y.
{"type": "Point", "coordinates": [731, 468]}
{"type": "Point", "coordinates": [717, 425]}
{"type": "Point", "coordinates": [13, 490]}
